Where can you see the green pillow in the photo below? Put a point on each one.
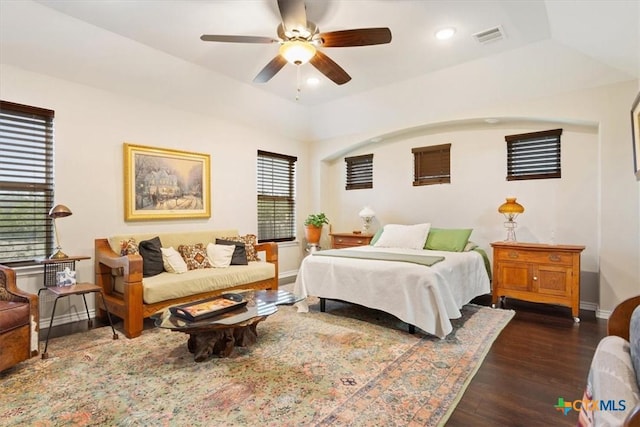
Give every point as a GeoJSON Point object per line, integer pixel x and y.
{"type": "Point", "coordinates": [376, 236]}
{"type": "Point", "coordinates": [448, 239]}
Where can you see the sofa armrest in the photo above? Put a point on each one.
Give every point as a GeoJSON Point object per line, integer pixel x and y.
{"type": "Point", "coordinates": [128, 264]}
{"type": "Point", "coordinates": [270, 249]}
{"type": "Point", "coordinates": [633, 419]}
{"type": "Point", "coordinates": [11, 286]}
{"type": "Point", "coordinates": [618, 323]}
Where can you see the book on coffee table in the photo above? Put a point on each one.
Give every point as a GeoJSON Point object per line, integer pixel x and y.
{"type": "Point", "coordinates": [210, 307]}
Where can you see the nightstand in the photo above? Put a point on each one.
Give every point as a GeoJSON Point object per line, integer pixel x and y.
{"type": "Point", "coordinates": [349, 240]}
{"type": "Point", "coordinates": [538, 272]}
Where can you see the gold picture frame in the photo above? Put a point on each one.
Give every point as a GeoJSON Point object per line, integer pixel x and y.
{"type": "Point", "coordinates": [161, 183]}
{"type": "Point", "coordinates": [635, 129]}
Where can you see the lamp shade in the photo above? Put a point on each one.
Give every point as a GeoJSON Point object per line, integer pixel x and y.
{"type": "Point", "coordinates": [59, 211]}
{"type": "Point", "coordinates": [511, 207]}
{"type": "Point", "coordinates": [297, 52]}
{"type": "Point", "coordinates": [366, 212]}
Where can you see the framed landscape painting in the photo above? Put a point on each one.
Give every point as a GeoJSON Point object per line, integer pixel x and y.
{"type": "Point", "coordinates": [635, 129]}
{"type": "Point", "coordinates": [162, 183]}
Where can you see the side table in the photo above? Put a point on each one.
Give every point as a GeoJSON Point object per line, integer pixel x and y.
{"type": "Point", "coordinates": [77, 289]}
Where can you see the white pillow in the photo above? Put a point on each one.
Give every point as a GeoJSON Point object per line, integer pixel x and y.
{"type": "Point", "coordinates": [172, 261]}
{"type": "Point", "coordinates": [220, 255]}
{"type": "Point", "coordinates": [403, 236]}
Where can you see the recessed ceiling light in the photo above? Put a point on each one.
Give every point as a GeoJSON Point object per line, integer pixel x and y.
{"type": "Point", "coordinates": [491, 121]}
{"type": "Point", "coordinates": [313, 81]}
{"type": "Point", "coordinates": [445, 33]}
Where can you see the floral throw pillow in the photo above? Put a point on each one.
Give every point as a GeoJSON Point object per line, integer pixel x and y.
{"type": "Point", "coordinates": [129, 247]}
{"type": "Point", "coordinates": [250, 241]}
{"type": "Point", "coordinates": [195, 256]}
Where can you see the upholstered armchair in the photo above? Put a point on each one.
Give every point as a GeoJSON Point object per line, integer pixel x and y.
{"type": "Point", "coordinates": [19, 317]}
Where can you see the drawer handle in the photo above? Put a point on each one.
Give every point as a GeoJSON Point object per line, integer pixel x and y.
{"type": "Point", "coordinates": [554, 257]}
{"type": "Point", "coordinates": [513, 254]}
{"type": "Point", "coordinates": [339, 240]}
{"type": "Point", "coordinates": [359, 241]}
{"type": "Point", "coordinates": [535, 277]}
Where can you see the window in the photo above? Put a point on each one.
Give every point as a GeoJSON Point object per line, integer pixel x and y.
{"type": "Point", "coordinates": [26, 182]}
{"type": "Point", "coordinates": [533, 155]}
{"type": "Point", "coordinates": [432, 165]}
{"type": "Point", "coordinates": [276, 197]}
{"type": "Point", "coordinates": [359, 172]}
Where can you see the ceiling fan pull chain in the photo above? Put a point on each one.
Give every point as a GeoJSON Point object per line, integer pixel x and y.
{"type": "Point", "coordinates": [297, 82]}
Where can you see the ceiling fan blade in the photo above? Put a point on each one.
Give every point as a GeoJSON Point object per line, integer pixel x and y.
{"type": "Point", "coordinates": [294, 15]}
{"type": "Point", "coordinates": [329, 68]}
{"type": "Point", "coordinates": [270, 70]}
{"type": "Point", "coordinates": [358, 37]}
{"type": "Point", "coordinates": [237, 39]}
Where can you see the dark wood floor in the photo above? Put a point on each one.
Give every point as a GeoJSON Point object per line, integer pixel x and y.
{"type": "Point", "coordinates": [540, 356]}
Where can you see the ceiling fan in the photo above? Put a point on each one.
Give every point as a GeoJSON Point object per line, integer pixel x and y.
{"type": "Point", "coordinates": [299, 39]}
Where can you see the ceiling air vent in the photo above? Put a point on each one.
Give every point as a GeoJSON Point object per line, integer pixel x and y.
{"type": "Point", "coordinates": [490, 35]}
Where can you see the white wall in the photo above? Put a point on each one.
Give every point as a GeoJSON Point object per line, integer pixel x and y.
{"type": "Point", "coordinates": [594, 204]}
{"type": "Point", "coordinates": [90, 128]}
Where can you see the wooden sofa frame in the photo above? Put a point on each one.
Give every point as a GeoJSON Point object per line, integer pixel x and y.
{"type": "Point", "coordinates": [129, 305]}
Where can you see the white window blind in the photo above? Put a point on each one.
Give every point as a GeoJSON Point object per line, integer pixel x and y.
{"type": "Point", "coordinates": [26, 182]}
{"type": "Point", "coordinates": [276, 197]}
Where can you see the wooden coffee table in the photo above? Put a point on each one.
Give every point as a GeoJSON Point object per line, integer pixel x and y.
{"type": "Point", "coordinates": [221, 334]}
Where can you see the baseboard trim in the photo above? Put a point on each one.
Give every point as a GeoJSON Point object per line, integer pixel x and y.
{"type": "Point", "coordinates": [67, 318]}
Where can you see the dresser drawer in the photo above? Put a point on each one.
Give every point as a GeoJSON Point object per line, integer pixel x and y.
{"type": "Point", "coordinates": [546, 257]}
{"type": "Point", "coordinates": [349, 240]}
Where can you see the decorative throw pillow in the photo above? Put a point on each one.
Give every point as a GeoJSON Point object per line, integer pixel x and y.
{"type": "Point", "coordinates": [129, 247]}
{"type": "Point", "coordinates": [195, 256]}
{"type": "Point", "coordinates": [376, 236]}
{"type": "Point", "coordinates": [239, 253]}
{"type": "Point", "coordinates": [634, 342]}
{"type": "Point", "coordinates": [172, 261]}
{"type": "Point", "coordinates": [468, 247]}
{"type": "Point", "coordinates": [151, 252]}
{"type": "Point", "coordinates": [448, 239]}
{"type": "Point", "coordinates": [250, 241]}
{"type": "Point", "coordinates": [220, 255]}
{"type": "Point", "coordinates": [403, 236]}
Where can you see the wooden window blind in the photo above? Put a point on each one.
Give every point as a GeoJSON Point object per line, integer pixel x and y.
{"type": "Point", "coordinates": [359, 172]}
{"type": "Point", "coordinates": [276, 197]}
{"type": "Point", "coordinates": [534, 155]}
{"type": "Point", "coordinates": [432, 165]}
{"type": "Point", "coordinates": [26, 182]}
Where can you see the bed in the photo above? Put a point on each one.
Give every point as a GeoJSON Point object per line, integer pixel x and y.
{"type": "Point", "coordinates": [394, 280]}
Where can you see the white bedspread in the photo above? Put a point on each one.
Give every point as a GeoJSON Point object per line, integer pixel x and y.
{"type": "Point", "coordinates": [427, 297]}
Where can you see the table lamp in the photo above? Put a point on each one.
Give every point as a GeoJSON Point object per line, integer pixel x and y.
{"type": "Point", "coordinates": [367, 215]}
{"type": "Point", "coordinates": [58, 211]}
{"type": "Point", "coordinates": [510, 209]}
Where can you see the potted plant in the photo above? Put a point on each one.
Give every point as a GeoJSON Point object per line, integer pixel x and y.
{"type": "Point", "coordinates": [313, 227]}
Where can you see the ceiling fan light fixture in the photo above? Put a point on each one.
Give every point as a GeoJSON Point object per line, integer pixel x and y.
{"type": "Point", "coordinates": [445, 33]}
{"type": "Point", "coordinates": [297, 52]}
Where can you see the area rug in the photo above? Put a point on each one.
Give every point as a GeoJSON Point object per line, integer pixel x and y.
{"type": "Point", "coordinates": [348, 366]}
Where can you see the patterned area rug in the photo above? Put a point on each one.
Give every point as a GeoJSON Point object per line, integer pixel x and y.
{"type": "Point", "coordinates": [349, 366]}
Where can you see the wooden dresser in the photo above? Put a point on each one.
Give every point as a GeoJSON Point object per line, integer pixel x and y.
{"type": "Point", "coordinates": [349, 240]}
{"type": "Point", "coordinates": [538, 273]}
